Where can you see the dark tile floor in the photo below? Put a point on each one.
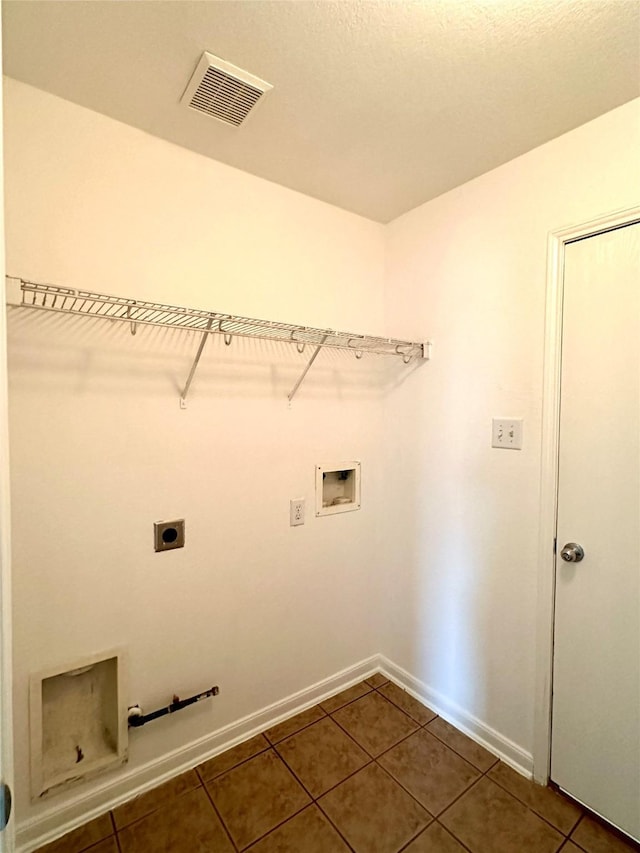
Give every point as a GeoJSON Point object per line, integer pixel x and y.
{"type": "Point", "coordinates": [370, 770]}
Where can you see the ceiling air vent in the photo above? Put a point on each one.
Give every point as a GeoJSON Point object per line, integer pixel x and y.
{"type": "Point", "coordinates": [223, 91]}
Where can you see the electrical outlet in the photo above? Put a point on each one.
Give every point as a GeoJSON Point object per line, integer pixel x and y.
{"type": "Point", "coordinates": [507, 433]}
{"type": "Point", "coordinates": [296, 512]}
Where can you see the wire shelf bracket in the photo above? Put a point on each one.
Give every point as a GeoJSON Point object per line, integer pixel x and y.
{"type": "Point", "coordinates": [194, 366]}
{"type": "Point", "coordinates": [292, 393]}
{"type": "Point", "coordinates": [64, 300]}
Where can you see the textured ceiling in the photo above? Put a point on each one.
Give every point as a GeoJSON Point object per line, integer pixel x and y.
{"type": "Point", "coordinates": [377, 106]}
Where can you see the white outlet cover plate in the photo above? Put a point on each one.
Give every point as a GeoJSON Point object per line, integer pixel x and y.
{"type": "Point", "coordinates": [506, 433]}
{"type": "Point", "coordinates": [296, 512]}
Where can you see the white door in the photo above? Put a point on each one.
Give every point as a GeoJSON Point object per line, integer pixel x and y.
{"type": "Point", "coordinates": [595, 745]}
{"type": "Point", "coordinates": [7, 836]}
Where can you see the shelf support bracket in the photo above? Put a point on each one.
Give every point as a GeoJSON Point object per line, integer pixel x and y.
{"type": "Point", "coordinates": [293, 391]}
{"type": "Point", "coordinates": [133, 327]}
{"type": "Point", "coordinates": [194, 366]}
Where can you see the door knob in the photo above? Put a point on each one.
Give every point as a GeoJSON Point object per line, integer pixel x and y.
{"type": "Point", "coordinates": [572, 553]}
{"type": "Point", "coordinates": [5, 805]}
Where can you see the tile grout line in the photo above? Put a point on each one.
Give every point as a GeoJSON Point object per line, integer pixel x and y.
{"type": "Point", "coordinates": [531, 809]}
{"type": "Point", "coordinates": [442, 811]}
{"type": "Point", "coordinates": [233, 767]}
{"type": "Point", "coordinates": [428, 723]}
{"type": "Point", "coordinates": [496, 782]}
{"type": "Point", "coordinates": [444, 828]}
{"type": "Point", "coordinates": [115, 830]}
{"type": "Point", "coordinates": [350, 702]}
{"type": "Point", "coordinates": [473, 784]}
{"type": "Point", "coordinates": [393, 745]}
{"type": "Point", "coordinates": [455, 837]}
{"type": "Point", "coordinates": [575, 826]}
{"type": "Point", "coordinates": [351, 737]}
{"type": "Point", "coordinates": [273, 747]}
{"type": "Point", "coordinates": [476, 782]}
{"type": "Point", "coordinates": [118, 845]}
{"type": "Point", "coordinates": [388, 698]}
{"type": "Point", "coordinates": [413, 797]}
{"type": "Point", "coordinates": [96, 844]}
{"type": "Point", "coordinates": [630, 843]}
{"type": "Point", "coordinates": [455, 800]}
{"type": "Point", "coordinates": [373, 760]}
{"type": "Point", "coordinates": [274, 828]}
{"type": "Point", "coordinates": [156, 808]}
{"type": "Point", "coordinates": [219, 816]}
{"type": "Point", "coordinates": [333, 787]}
{"type": "Point", "coordinates": [538, 815]}
{"type": "Point", "coordinates": [296, 731]}
{"type": "Point", "coordinates": [314, 800]}
{"type": "Point", "coordinates": [453, 749]}
{"type": "Point", "coordinates": [375, 757]}
{"type": "Point", "coordinates": [528, 807]}
{"type": "Point", "coordinates": [420, 727]}
{"type": "Point", "coordinates": [290, 818]}
{"type": "Point", "coordinates": [331, 822]}
{"type": "Point", "coordinates": [327, 714]}
{"type": "Point", "coordinates": [163, 803]}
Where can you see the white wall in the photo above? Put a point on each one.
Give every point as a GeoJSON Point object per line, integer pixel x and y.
{"type": "Point", "coordinates": [469, 270]}
{"type": "Point", "coordinates": [101, 449]}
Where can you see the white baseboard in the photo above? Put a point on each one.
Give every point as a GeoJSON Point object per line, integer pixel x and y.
{"type": "Point", "coordinates": [502, 747]}
{"type": "Point", "coordinates": [58, 820]}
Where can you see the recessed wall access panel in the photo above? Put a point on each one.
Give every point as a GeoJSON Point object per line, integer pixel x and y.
{"type": "Point", "coordinates": [337, 488]}
{"type": "Point", "coordinates": [78, 722]}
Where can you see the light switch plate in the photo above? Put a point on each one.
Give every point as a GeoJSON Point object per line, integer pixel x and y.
{"type": "Point", "coordinates": [506, 433]}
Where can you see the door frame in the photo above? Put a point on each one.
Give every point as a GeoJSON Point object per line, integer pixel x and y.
{"type": "Point", "coordinates": [7, 839]}
{"type": "Point", "coordinates": [556, 244]}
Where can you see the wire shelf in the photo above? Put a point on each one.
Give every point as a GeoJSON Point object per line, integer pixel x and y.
{"type": "Point", "coordinates": [87, 304]}
{"type": "Point", "coordinates": [64, 300]}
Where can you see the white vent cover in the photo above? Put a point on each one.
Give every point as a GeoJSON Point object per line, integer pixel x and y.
{"type": "Point", "coordinates": [223, 91]}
